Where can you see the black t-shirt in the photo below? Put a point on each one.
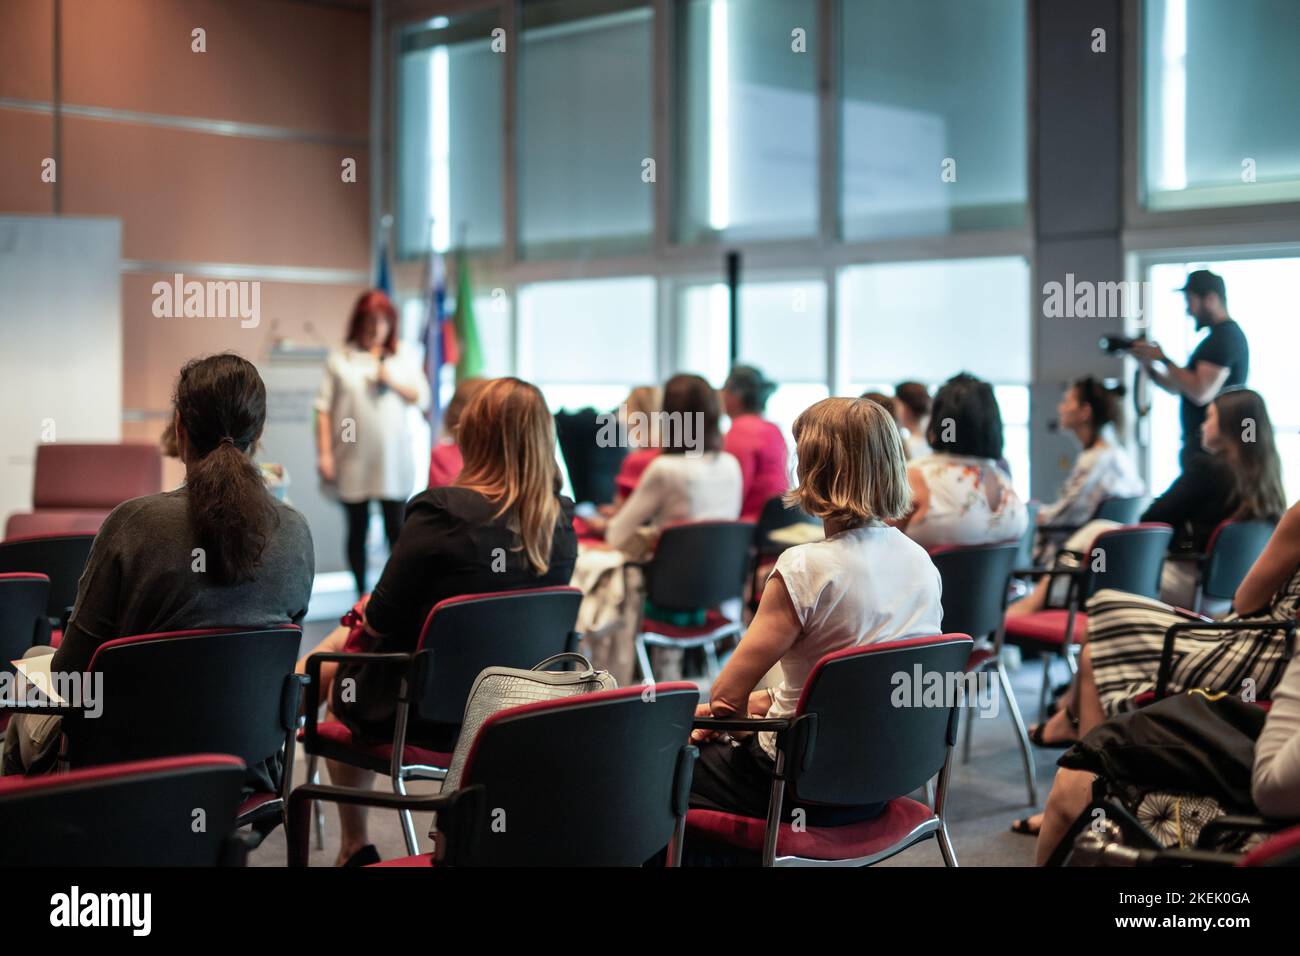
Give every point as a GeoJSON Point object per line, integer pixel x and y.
{"type": "Point", "coordinates": [449, 541]}
{"type": "Point", "coordinates": [1225, 347]}
{"type": "Point", "coordinates": [1198, 500]}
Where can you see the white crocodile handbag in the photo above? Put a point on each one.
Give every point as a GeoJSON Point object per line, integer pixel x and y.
{"type": "Point", "coordinates": [499, 688]}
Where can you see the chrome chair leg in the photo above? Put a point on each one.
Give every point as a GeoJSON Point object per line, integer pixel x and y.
{"type": "Point", "coordinates": [945, 846]}
{"type": "Point", "coordinates": [408, 821]}
{"type": "Point", "coordinates": [643, 661]}
{"type": "Point", "coordinates": [1022, 735]}
{"type": "Point", "coordinates": [313, 776]}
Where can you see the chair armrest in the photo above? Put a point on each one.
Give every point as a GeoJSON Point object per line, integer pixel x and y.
{"type": "Point", "coordinates": [1241, 823]}
{"type": "Point", "coordinates": [1059, 528]}
{"type": "Point", "coordinates": [741, 723]}
{"type": "Point", "coordinates": [465, 811]}
{"type": "Point", "coordinates": [314, 662]}
{"type": "Point", "coordinates": [1167, 651]}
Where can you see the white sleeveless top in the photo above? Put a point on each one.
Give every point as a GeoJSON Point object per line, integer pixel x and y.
{"type": "Point", "coordinates": [861, 586]}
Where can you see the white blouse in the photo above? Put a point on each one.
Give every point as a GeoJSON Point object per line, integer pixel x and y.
{"type": "Point", "coordinates": [677, 488]}
{"type": "Point", "coordinates": [1102, 471]}
{"type": "Point", "coordinates": [372, 425]}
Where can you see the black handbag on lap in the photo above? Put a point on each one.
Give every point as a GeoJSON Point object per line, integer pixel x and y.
{"type": "Point", "coordinates": [1194, 743]}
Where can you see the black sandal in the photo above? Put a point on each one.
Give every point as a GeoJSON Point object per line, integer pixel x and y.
{"type": "Point", "coordinates": [366, 856]}
{"type": "Point", "coordinates": [1036, 733]}
{"type": "Point", "coordinates": [1024, 829]}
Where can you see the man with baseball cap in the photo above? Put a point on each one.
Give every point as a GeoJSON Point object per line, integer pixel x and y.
{"type": "Point", "coordinates": [1221, 359]}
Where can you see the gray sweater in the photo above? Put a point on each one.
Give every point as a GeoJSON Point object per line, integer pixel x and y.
{"type": "Point", "coordinates": [140, 579]}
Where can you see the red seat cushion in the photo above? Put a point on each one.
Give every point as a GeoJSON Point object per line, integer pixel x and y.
{"type": "Point", "coordinates": [255, 803]}
{"type": "Point", "coordinates": [56, 637]}
{"type": "Point", "coordinates": [713, 621]}
{"type": "Point", "coordinates": [978, 657]}
{"type": "Point", "coordinates": [1045, 627]}
{"type": "Point", "coordinates": [1273, 849]}
{"type": "Point", "coordinates": [336, 732]}
{"type": "Point", "coordinates": [850, 842]}
{"type": "Point", "coordinates": [424, 859]}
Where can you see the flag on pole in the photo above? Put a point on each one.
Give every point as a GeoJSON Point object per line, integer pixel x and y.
{"type": "Point", "coordinates": [383, 270]}
{"type": "Point", "coordinates": [435, 323]}
{"type": "Point", "coordinates": [465, 329]}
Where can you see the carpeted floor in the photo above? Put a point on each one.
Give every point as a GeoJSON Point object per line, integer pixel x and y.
{"type": "Point", "coordinates": [985, 795]}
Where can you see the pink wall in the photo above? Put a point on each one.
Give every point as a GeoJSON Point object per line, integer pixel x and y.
{"type": "Point", "coordinates": [187, 196]}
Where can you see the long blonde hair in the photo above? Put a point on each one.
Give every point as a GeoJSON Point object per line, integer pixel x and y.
{"type": "Point", "coordinates": [507, 440]}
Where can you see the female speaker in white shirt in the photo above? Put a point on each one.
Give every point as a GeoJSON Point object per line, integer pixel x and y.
{"type": "Point", "coordinates": [364, 424]}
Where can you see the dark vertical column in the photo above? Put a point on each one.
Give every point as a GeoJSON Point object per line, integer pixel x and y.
{"type": "Point", "coordinates": [733, 305]}
{"type": "Point", "coordinates": [1077, 164]}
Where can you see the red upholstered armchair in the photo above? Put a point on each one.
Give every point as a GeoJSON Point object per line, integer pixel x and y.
{"type": "Point", "coordinates": [76, 486]}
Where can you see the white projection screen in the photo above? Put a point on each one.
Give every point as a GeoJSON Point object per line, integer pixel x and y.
{"type": "Point", "coordinates": [60, 340]}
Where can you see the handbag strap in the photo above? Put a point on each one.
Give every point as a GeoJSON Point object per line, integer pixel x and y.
{"type": "Point", "coordinates": [566, 657]}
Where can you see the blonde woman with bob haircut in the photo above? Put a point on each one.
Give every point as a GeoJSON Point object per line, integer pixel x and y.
{"type": "Point", "coordinates": [867, 582]}
{"type": "Point", "coordinates": [505, 502]}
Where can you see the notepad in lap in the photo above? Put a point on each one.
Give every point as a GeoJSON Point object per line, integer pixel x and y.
{"type": "Point", "coordinates": [37, 672]}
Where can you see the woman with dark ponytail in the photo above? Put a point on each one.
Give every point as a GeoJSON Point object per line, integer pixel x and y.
{"type": "Point", "coordinates": [219, 551]}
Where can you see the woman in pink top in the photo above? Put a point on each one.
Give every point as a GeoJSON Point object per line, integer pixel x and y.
{"type": "Point", "coordinates": [445, 461]}
{"type": "Point", "coordinates": [757, 444]}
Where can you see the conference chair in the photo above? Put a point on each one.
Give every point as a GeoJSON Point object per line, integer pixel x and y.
{"type": "Point", "coordinates": [860, 734]}
{"type": "Point", "coordinates": [461, 636]}
{"type": "Point", "coordinates": [697, 566]}
{"type": "Point", "coordinates": [1018, 587]}
{"type": "Point", "coordinates": [61, 558]}
{"type": "Point", "coordinates": [1128, 558]}
{"type": "Point", "coordinates": [974, 602]}
{"type": "Point", "coordinates": [599, 779]}
{"type": "Point", "coordinates": [218, 690]}
{"type": "Point", "coordinates": [1118, 509]}
{"type": "Point", "coordinates": [24, 597]}
{"type": "Point", "coordinates": [75, 486]}
{"type": "Point", "coordinates": [774, 516]}
{"type": "Point", "coordinates": [140, 813]}
{"type": "Point", "coordinates": [23, 624]}
{"type": "Point", "coordinates": [1229, 555]}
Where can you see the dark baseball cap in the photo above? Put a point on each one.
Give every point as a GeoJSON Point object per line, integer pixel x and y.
{"type": "Point", "coordinates": [1202, 281]}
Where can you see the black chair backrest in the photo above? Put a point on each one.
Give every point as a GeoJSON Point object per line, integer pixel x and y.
{"type": "Point", "coordinates": [592, 464]}
{"type": "Point", "coordinates": [776, 515]}
{"type": "Point", "coordinates": [1123, 510]}
{"type": "Point", "coordinates": [23, 622]}
{"type": "Point", "coordinates": [1025, 553]}
{"type": "Point", "coordinates": [60, 557]}
{"type": "Point", "coordinates": [465, 634]}
{"type": "Point", "coordinates": [134, 814]}
{"type": "Point", "coordinates": [184, 692]}
{"type": "Point", "coordinates": [594, 780]}
{"type": "Point", "coordinates": [1232, 550]}
{"type": "Point", "coordinates": [699, 565]}
{"type": "Point", "coordinates": [876, 735]}
{"type": "Point", "coordinates": [975, 585]}
{"type": "Point", "coordinates": [1127, 559]}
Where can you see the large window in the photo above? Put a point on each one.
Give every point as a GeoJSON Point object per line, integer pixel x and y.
{"type": "Point", "coordinates": [747, 115]}
{"type": "Point", "coordinates": [771, 313]}
{"type": "Point", "coordinates": [1221, 102]}
{"type": "Point", "coordinates": [932, 116]}
{"type": "Point", "coordinates": [588, 342]}
{"type": "Point", "coordinates": [585, 130]}
{"type": "Point", "coordinates": [1260, 293]}
{"type": "Point", "coordinates": [449, 153]}
{"type": "Point", "coordinates": [927, 321]}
